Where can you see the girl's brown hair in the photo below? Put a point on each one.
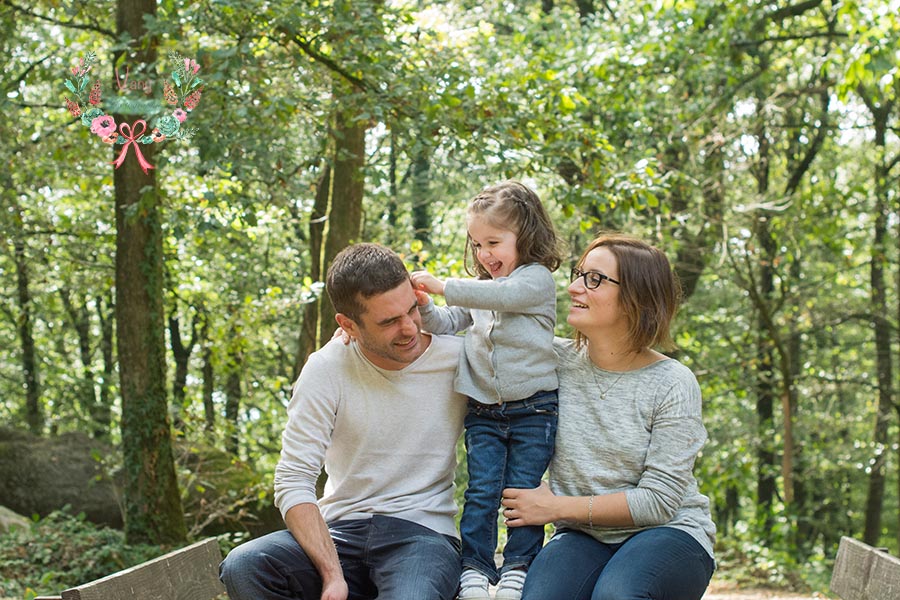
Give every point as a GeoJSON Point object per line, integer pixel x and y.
{"type": "Point", "coordinates": [649, 291]}
{"type": "Point", "coordinates": [514, 206]}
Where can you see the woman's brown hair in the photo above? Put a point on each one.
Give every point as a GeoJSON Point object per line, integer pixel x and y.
{"type": "Point", "coordinates": [649, 291]}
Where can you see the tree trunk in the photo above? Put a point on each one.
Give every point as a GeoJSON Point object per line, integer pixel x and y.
{"type": "Point", "coordinates": [695, 250]}
{"type": "Point", "coordinates": [765, 361]}
{"type": "Point", "coordinates": [421, 176]}
{"type": "Point", "coordinates": [208, 372]}
{"type": "Point", "coordinates": [896, 208]}
{"type": "Point", "coordinates": [103, 416]}
{"type": "Point", "coordinates": [392, 206]}
{"type": "Point", "coordinates": [81, 321]}
{"type": "Point", "coordinates": [881, 326]}
{"type": "Point", "coordinates": [153, 512]}
{"type": "Point", "coordinates": [345, 211]}
{"type": "Point", "coordinates": [802, 507]}
{"type": "Point", "coordinates": [309, 327]}
{"type": "Point", "coordinates": [181, 354]}
{"type": "Point", "coordinates": [34, 416]}
{"type": "Point", "coordinates": [233, 395]}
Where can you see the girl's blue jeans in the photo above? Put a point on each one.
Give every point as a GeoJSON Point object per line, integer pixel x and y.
{"type": "Point", "coordinates": [661, 563]}
{"type": "Point", "coordinates": [381, 557]}
{"type": "Point", "coordinates": [507, 445]}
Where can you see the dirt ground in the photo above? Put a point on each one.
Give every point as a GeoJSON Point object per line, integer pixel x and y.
{"type": "Point", "coordinates": [728, 591]}
{"type": "Point", "coordinates": [724, 591]}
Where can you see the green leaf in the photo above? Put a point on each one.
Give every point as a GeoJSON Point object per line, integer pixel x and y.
{"type": "Point", "coordinates": [71, 87]}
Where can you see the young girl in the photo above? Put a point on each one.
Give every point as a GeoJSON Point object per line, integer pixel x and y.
{"type": "Point", "coordinates": [508, 371]}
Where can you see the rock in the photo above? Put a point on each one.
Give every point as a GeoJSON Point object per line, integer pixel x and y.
{"type": "Point", "coordinates": [41, 475]}
{"type": "Point", "coordinates": [11, 520]}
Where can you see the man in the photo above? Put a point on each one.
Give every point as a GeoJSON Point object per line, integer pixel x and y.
{"type": "Point", "coordinates": [381, 416]}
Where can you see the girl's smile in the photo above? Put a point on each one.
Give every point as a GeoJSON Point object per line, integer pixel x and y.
{"type": "Point", "coordinates": [495, 248]}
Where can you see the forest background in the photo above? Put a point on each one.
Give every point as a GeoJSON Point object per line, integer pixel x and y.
{"type": "Point", "coordinates": [166, 314]}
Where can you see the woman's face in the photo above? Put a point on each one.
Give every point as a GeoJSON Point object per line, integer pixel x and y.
{"type": "Point", "coordinates": [599, 307]}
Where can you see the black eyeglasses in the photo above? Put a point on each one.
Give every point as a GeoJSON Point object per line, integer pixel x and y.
{"type": "Point", "coordinates": [592, 279]}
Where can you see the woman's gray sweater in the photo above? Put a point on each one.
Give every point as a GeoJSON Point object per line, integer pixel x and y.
{"type": "Point", "coordinates": [641, 439]}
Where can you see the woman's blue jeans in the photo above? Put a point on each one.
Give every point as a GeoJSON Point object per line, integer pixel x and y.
{"type": "Point", "coordinates": [662, 563]}
{"type": "Point", "coordinates": [381, 557]}
{"type": "Point", "coordinates": [507, 445]}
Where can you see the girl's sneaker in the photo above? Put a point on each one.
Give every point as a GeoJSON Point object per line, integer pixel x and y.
{"type": "Point", "coordinates": [510, 586]}
{"type": "Point", "coordinates": [473, 585]}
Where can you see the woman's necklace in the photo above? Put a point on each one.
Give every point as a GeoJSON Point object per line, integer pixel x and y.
{"type": "Point", "coordinates": [603, 392]}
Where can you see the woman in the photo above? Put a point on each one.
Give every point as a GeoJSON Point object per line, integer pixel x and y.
{"type": "Point", "coordinates": [630, 521]}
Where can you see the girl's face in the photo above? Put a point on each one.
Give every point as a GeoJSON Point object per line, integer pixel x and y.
{"type": "Point", "coordinates": [598, 307]}
{"type": "Point", "coordinates": [494, 248]}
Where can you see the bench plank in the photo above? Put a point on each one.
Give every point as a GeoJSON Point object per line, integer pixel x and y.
{"type": "Point", "coordinates": [190, 573]}
{"type": "Point", "coordinates": [884, 577]}
{"type": "Point", "coordinates": [862, 572]}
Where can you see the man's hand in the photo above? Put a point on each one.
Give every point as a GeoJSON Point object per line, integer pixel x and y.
{"type": "Point", "coordinates": [335, 590]}
{"type": "Point", "coordinates": [305, 523]}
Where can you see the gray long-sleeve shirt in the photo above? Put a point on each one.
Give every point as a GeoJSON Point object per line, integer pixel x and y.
{"type": "Point", "coordinates": [509, 325]}
{"type": "Point", "coordinates": [642, 438]}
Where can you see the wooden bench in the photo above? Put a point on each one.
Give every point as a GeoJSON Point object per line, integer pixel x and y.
{"type": "Point", "coordinates": [862, 572]}
{"type": "Point", "coordinates": [190, 573]}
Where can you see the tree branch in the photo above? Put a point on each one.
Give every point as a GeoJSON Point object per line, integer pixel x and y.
{"type": "Point", "coordinates": [811, 150]}
{"type": "Point", "coordinates": [788, 38]}
{"type": "Point", "coordinates": [71, 23]}
{"type": "Point", "coordinates": [794, 10]}
{"type": "Point", "coordinates": [21, 77]}
{"type": "Point", "coordinates": [308, 49]}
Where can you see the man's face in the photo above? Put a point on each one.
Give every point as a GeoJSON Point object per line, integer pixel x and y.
{"type": "Point", "coordinates": [389, 329]}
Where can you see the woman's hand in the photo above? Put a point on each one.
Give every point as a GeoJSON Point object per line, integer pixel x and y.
{"type": "Point", "coordinates": [425, 281]}
{"type": "Point", "coordinates": [529, 507]}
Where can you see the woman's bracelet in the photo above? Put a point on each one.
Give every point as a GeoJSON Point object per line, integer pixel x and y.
{"type": "Point", "coordinates": [591, 512]}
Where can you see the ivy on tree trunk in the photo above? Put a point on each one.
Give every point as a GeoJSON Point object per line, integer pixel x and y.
{"type": "Point", "coordinates": [153, 511]}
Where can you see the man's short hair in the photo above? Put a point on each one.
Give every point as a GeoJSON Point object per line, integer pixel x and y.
{"type": "Point", "coordinates": [361, 271]}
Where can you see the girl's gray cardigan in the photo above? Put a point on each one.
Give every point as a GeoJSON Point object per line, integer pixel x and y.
{"type": "Point", "coordinates": [509, 325]}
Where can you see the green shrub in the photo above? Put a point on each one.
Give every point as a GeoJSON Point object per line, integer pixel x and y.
{"type": "Point", "coordinates": [751, 565]}
{"type": "Point", "coordinates": [63, 550]}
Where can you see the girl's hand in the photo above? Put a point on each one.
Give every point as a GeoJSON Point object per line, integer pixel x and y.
{"type": "Point", "coordinates": [340, 333]}
{"type": "Point", "coordinates": [422, 298]}
{"type": "Point", "coordinates": [528, 507]}
{"type": "Point", "coordinates": [425, 281]}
